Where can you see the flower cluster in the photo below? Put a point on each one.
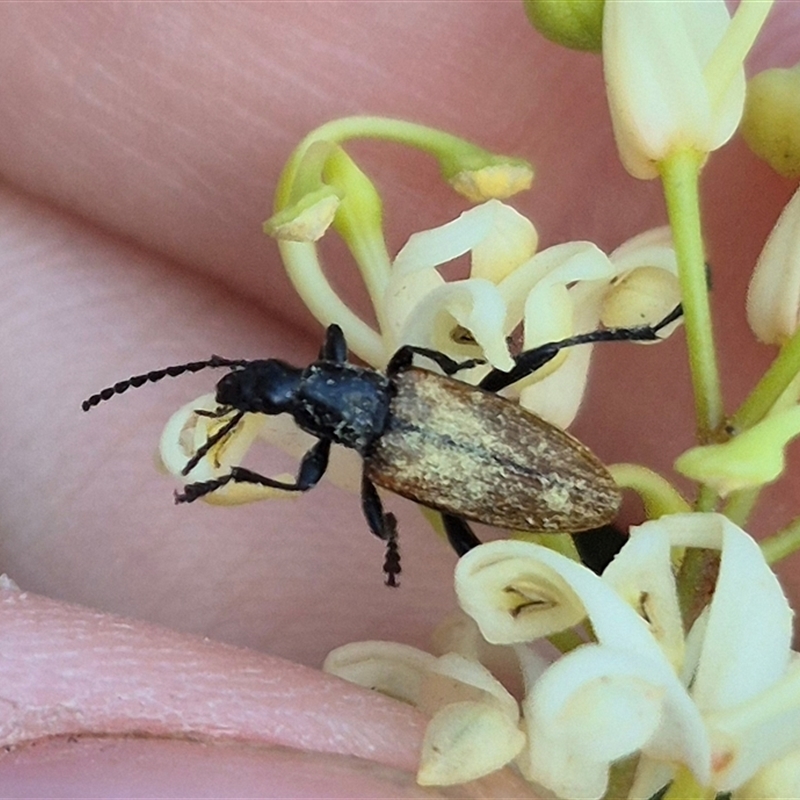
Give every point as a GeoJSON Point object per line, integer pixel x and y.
{"type": "Point", "coordinates": [722, 701]}
{"type": "Point", "coordinates": [512, 288]}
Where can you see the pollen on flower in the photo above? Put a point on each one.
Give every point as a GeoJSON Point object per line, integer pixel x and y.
{"type": "Point", "coordinates": [305, 221]}
{"type": "Point", "coordinates": [498, 181]}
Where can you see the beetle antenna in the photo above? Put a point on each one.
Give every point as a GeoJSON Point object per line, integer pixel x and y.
{"type": "Point", "coordinates": [211, 441]}
{"type": "Point", "coordinates": [156, 375]}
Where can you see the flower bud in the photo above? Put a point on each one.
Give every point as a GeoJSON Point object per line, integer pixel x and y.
{"type": "Point", "coordinates": [773, 299]}
{"type": "Point", "coordinates": [577, 24]}
{"type": "Point", "coordinates": [771, 121]}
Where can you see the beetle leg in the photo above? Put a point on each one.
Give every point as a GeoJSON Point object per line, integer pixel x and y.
{"type": "Point", "coordinates": [335, 347]}
{"type": "Point", "coordinates": [312, 468]}
{"type": "Point", "coordinates": [404, 357]}
{"type": "Point", "coordinates": [212, 440]}
{"type": "Point", "coordinates": [527, 362]}
{"type": "Point", "coordinates": [459, 534]}
{"type": "Point", "coordinates": [384, 526]}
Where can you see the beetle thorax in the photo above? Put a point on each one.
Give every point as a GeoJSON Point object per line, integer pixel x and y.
{"type": "Point", "coordinates": [346, 404]}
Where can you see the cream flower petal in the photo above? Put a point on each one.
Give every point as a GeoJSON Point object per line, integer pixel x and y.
{"type": "Point", "coordinates": [474, 728]}
{"type": "Point", "coordinates": [474, 304]}
{"type": "Point", "coordinates": [465, 741]}
{"type": "Point", "coordinates": [751, 735]}
{"type": "Point", "coordinates": [500, 237]}
{"type": "Point", "coordinates": [562, 264]}
{"type": "Point", "coordinates": [773, 299]}
{"type": "Point", "coordinates": [742, 683]}
{"type": "Point", "coordinates": [655, 56]}
{"type": "Point", "coordinates": [394, 669]}
{"type": "Point", "coordinates": [452, 677]}
{"type": "Point", "coordinates": [652, 248]}
{"type": "Point", "coordinates": [776, 781]}
{"type": "Point", "coordinates": [518, 592]}
{"type": "Point", "coordinates": [645, 288]}
{"type": "Point", "coordinates": [557, 395]}
{"type": "Point", "coordinates": [475, 725]}
{"type": "Point", "coordinates": [642, 575]}
{"type": "Point", "coordinates": [405, 291]}
{"type": "Point", "coordinates": [186, 432]}
{"type": "Point", "coordinates": [599, 704]}
{"type": "Point", "coordinates": [748, 613]}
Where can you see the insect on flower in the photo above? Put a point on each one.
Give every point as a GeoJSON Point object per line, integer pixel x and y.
{"type": "Point", "coordinates": [459, 449]}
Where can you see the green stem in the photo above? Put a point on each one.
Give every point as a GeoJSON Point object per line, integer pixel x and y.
{"type": "Point", "coordinates": [783, 543]}
{"type": "Point", "coordinates": [453, 153]}
{"type": "Point", "coordinates": [680, 174]}
{"type": "Point", "coordinates": [658, 495]}
{"type": "Point", "coordinates": [783, 370]}
{"type": "Point", "coordinates": [739, 505]}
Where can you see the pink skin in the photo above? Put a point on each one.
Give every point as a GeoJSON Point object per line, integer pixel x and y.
{"type": "Point", "coordinates": [140, 145]}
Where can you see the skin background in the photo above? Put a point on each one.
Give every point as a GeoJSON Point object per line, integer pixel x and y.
{"type": "Point", "coordinates": [139, 149]}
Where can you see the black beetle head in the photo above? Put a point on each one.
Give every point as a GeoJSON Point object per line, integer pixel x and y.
{"type": "Point", "coordinates": [263, 387]}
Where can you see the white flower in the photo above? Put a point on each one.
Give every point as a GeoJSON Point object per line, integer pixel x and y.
{"type": "Point", "coordinates": [474, 727]}
{"type": "Point", "coordinates": [773, 299]}
{"type": "Point", "coordinates": [674, 75]}
{"type": "Point", "coordinates": [724, 701]}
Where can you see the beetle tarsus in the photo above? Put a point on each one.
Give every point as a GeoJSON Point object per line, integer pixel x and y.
{"type": "Point", "coordinates": [391, 561]}
{"type": "Point", "coordinates": [404, 358]}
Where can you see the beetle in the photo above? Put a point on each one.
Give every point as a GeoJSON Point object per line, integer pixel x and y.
{"type": "Point", "coordinates": [459, 449]}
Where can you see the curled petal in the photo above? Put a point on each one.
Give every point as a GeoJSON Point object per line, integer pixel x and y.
{"type": "Point", "coordinates": [747, 629]}
{"type": "Point", "coordinates": [749, 614]}
{"type": "Point", "coordinates": [465, 741]}
{"type": "Point", "coordinates": [502, 237]}
{"type": "Point", "coordinates": [513, 595]}
{"type": "Point", "coordinates": [393, 669]}
{"type": "Point", "coordinates": [643, 297]}
{"type": "Point", "coordinates": [474, 729]}
{"type": "Point", "coordinates": [560, 265]}
{"type": "Point", "coordinates": [556, 394]}
{"type": "Point", "coordinates": [773, 299]}
{"type": "Point", "coordinates": [598, 704]}
{"type": "Point", "coordinates": [187, 431]}
{"type": "Point", "coordinates": [518, 591]}
{"type": "Point", "coordinates": [557, 397]}
{"type": "Point", "coordinates": [474, 305]}
{"type": "Point", "coordinates": [453, 678]}
{"type": "Point", "coordinates": [641, 574]}
{"type": "Point", "coordinates": [750, 736]}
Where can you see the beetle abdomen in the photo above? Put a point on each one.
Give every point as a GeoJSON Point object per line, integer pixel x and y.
{"type": "Point", "coordinates": [460, 449]}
